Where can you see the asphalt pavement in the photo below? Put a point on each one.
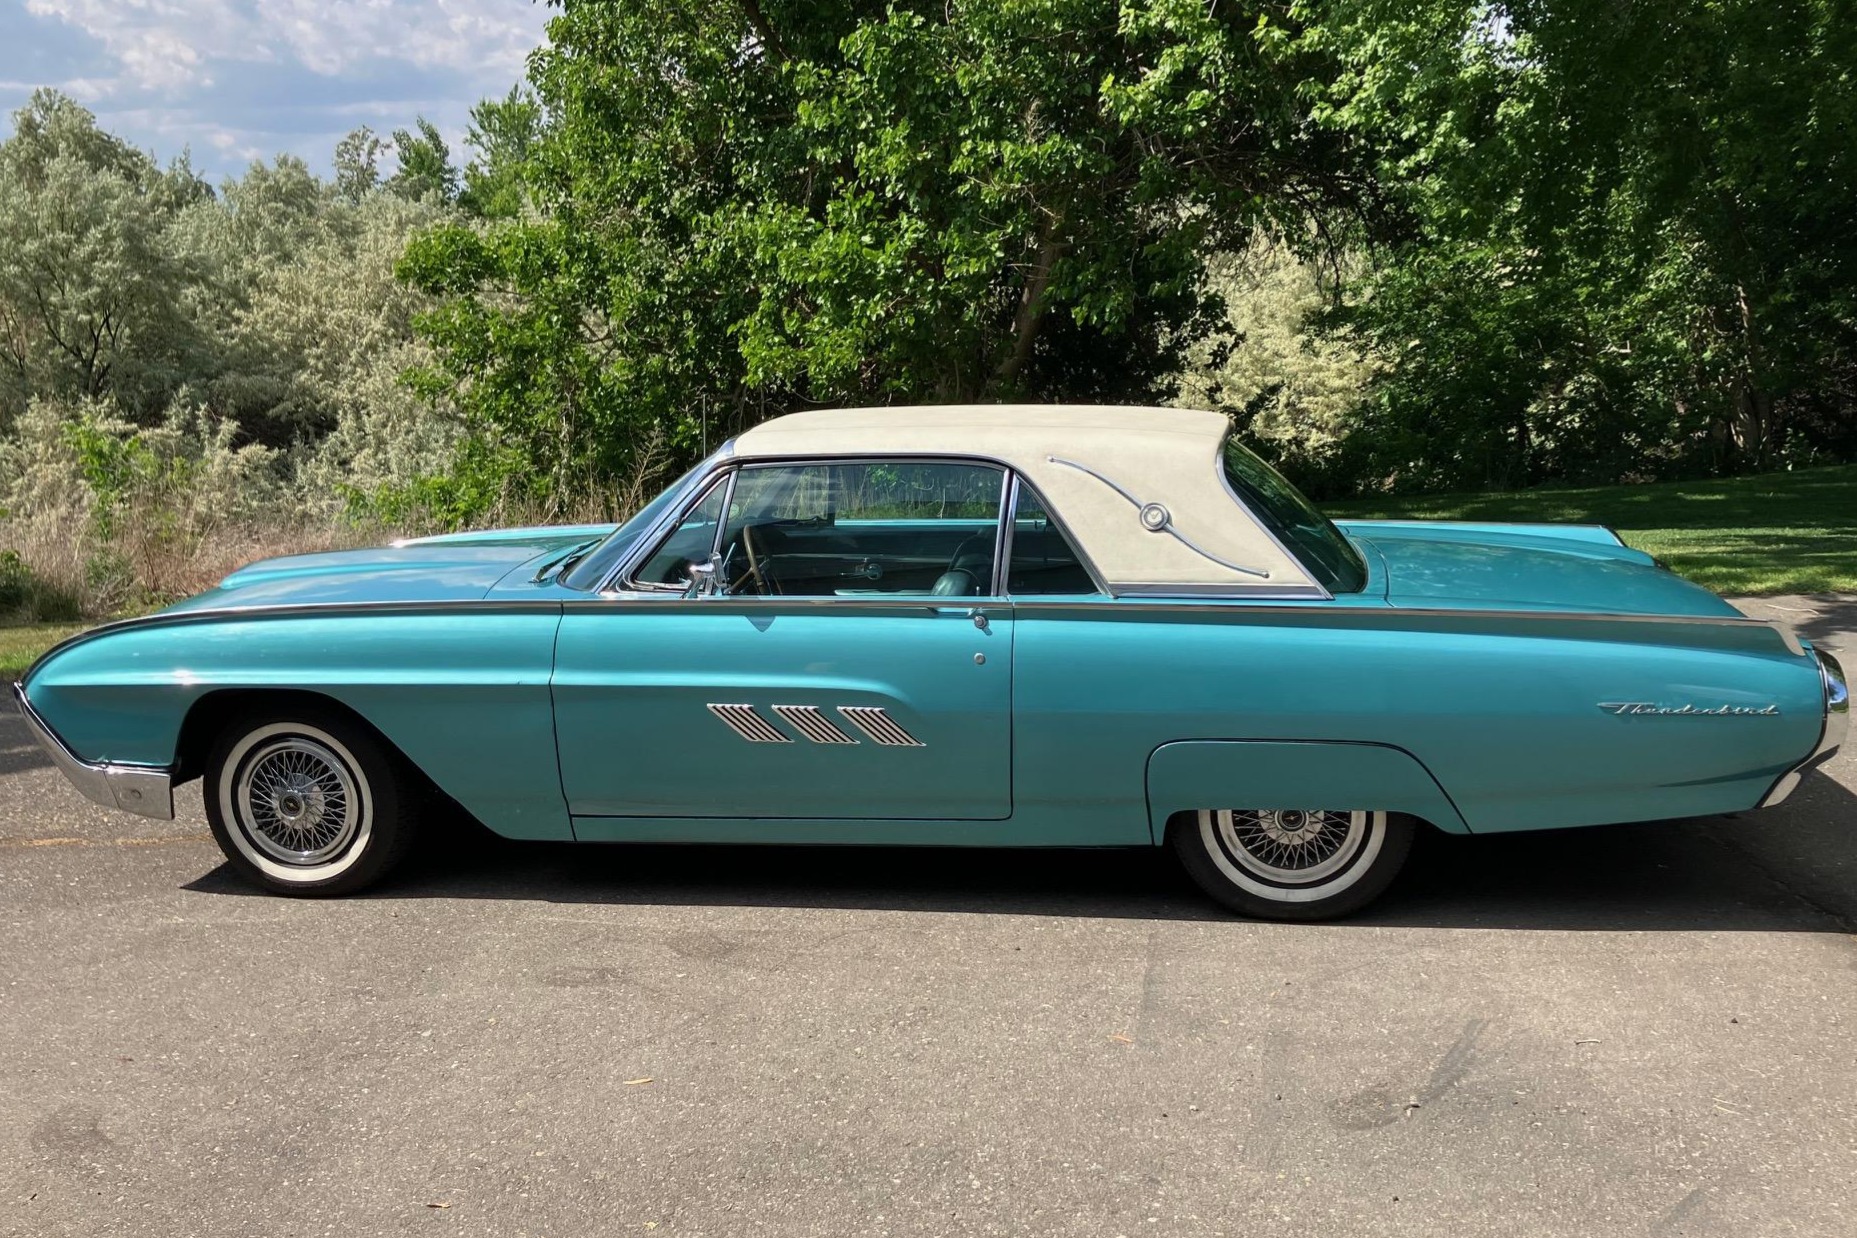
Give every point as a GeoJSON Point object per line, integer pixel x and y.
{"type": "Point", "coordinates": [1616, 1031]}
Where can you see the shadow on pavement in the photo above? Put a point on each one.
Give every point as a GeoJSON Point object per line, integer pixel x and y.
{"type": "Point", "coordinates": [1792, 868]}
{"type": "Point", "coordinates": [19, 752]}
{"type": "Point", "coordinates": [1835, 619]}
{"type": "Point", "coordinates": [1826, 619]}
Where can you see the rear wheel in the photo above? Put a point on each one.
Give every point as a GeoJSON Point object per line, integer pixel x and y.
{"type": "Point", "coordinates": [307, 803]}
{"type": "Point", "coordinates": [1292, 864]}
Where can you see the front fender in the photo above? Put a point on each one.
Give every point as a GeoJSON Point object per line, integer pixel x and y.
{"type": "Point", "coordinates": [462, 691]}
{"type": "Point", "coordinates": [1208, 773]}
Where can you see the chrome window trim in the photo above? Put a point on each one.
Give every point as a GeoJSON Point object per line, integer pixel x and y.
{"type": "Point", "coordinates": [649, 540]}
{"type": "Point", "coordinates": [1218, 467]}
{"type": "Point", "coordinates": [1002, 559]}
{"type": "Point", "coordinates": [1021, 485]}
{"type": "Point", "coordinates": [620, 586]}
{"type": "Point", "coordinates": [651, 535]}
{"type": "Point", "coordinates": [722, 477]}
{"type": "Point", "coordinates": [1306, 592]}
{"type": "Point", "coordinates": [1002, 531]}
{"type": "Point", "coordinates": [146, 790]}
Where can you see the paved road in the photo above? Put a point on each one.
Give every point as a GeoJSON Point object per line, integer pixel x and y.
{"type": "Point", "coordinates": [1632, 1030]}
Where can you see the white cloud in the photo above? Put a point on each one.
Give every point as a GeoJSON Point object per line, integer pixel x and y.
{"type": "Point", "coordinates": [229, 77]}
{"type": "Point", "coordinates": [171, 44]}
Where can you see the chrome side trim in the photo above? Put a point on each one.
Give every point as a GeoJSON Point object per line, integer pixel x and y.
{"type": "Point", "coordinates": [1831, 733]}
{"type": "Point", "coordinates": [1208, 604]}
{"type": "Point", "coordinates": [1201, 603]}
{"type": "Point", "coordinates": [751, 726]}
{"type": "Point", "coordinates": [1155, 518]}
{"type": "Point", "coordinates": [141, 789]}
{"type": "Point", "coordinates": [808, 721]}
{"type": "Point", "coordinates": [877, 723]}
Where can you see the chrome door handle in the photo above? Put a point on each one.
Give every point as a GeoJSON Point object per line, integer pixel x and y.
{"type": "Point", "coordinates": [978, 615]}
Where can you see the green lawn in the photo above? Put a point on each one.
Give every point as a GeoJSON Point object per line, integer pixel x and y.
{"type": "Point", "coordinates": [20, 645]}
{"type": "Point", "coordinates": [1773, 533]}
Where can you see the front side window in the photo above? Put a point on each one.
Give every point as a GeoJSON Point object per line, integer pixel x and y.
{"type": "Point", "coordinates": [862, 529]}
{"type": "Point", "coordinates": [690, 542]}
{"type": "Point", "coordinates": [590, 570]}
{"type": "Point", "coordinates": [1304, 531]}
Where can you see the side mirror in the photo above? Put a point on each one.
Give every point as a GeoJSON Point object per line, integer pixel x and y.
{"type": "Point", "coordinates": [705, 578]}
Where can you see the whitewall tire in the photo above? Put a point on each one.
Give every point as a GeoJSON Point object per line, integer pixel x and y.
{"type": "Point", "coordinates": [1292, 864]}
{"type": "Point", "coordinates": [306, 803]}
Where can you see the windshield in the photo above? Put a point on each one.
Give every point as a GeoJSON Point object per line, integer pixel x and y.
{"type": "Point", "coordinates": [598, 563]}
{"type": "Point", "coordinates": [1304, 531]}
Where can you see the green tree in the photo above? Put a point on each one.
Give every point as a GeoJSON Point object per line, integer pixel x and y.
{"type": "Point", "coordinates": [425, 169]}
{"type": "Point", "coordinates": [357, 163]}
{"type": "Point", "coordinates": [501, 135]}
{"type": "Point", "coordinates": [92, 296]}
{"type": "Point", "coordinates": [1628, 245]}
{"type": "Point", "coordinates": [747, 207]}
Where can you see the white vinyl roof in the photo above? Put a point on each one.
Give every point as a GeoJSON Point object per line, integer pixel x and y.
{"type": "Point", "coordinates": [1142, 490]}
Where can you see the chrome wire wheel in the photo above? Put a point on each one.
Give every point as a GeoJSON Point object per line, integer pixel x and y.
{"type": "Point", "coordinates": [1291, 846]}
{"type": "Point", "coordinates": [1288, 857]}
{"type": "Point", "coordinates": [298, 800]}
{"type": "Point", "coordinates": [296, 804]}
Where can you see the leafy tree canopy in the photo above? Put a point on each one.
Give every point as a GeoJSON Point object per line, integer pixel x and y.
{"type": "Point", "coordinates": [759, 205]}
{"type": "Point", "coordinates": [1629, 247]}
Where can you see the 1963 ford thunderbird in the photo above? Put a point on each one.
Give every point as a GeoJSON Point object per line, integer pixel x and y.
{"type": "Point", "coordinates": [977, 626]}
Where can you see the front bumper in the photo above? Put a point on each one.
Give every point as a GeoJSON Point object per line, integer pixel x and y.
{"type": "Point", "coordinates": [139, 789]}
{"type": "Point", "coordinates": [1830, 736]}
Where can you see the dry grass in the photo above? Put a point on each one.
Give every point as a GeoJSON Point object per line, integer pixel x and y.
{"type": "Point", "coordinates": [147, 560]}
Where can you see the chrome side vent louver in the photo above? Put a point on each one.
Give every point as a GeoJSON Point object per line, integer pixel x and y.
{"type": "Point", "coordinates": [878, 724]}
{"type": "Point", "coordinates": [751, 726]}
{"type": "Point", "coordinates": [808, 721]}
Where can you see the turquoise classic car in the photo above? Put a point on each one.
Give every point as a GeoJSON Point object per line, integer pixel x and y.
{"type": "Point", "coordinates": [974, 626]}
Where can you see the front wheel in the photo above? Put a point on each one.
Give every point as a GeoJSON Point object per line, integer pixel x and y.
{"type": "Point", "coordinates": [1292, 864]}
{"type": "Point", "coordinates": [306, 803]}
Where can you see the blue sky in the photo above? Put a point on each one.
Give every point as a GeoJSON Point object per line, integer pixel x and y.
{"type": "Point", "coordinates": [237, 80]}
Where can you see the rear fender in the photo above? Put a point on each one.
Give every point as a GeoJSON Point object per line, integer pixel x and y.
{"type": "Point", "coordinates": [1194, 774]}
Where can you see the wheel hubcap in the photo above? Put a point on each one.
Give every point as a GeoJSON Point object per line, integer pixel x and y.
{"type": "Point", "coordinates": [299, 801]}
{"type": "Point", "coordinates": [1291, 845]}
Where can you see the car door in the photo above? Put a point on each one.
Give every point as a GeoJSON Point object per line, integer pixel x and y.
{"type": "Point", "coordinates": [851, 657]}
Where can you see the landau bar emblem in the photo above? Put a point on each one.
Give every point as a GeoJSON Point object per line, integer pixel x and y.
{"type": "Point", "coordinates": [1644, 709]}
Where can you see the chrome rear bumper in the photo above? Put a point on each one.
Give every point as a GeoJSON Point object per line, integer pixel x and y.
{"type": "Point", "coordinates": [1831, 734]}
{"type": "Point", "coordinates": [139, 789]}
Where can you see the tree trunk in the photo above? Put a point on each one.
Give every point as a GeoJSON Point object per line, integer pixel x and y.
{"type": "Point", "coordinates": [1030, 314]}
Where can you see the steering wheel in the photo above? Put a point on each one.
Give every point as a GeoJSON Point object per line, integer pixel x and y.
{"type": "Point", "coordinates": [754, 562]}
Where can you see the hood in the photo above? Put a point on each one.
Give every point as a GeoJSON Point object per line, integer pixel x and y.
{"type": "Point", "coordinates": [460, 567]}
{"type": "Point", "coordinates": [1484, 569]}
